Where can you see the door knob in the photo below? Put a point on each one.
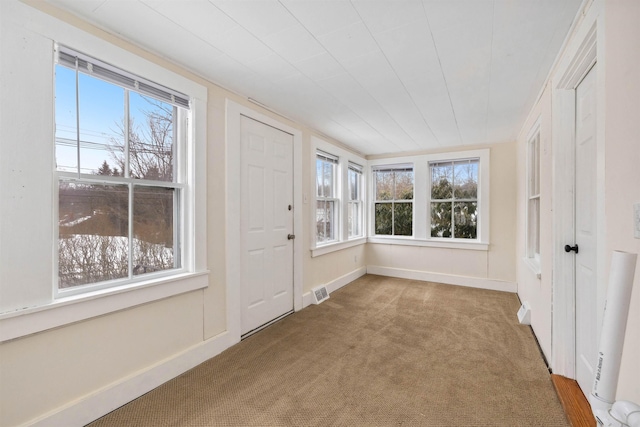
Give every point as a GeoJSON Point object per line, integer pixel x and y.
{"type": "Point", "coordinates": [568, 248]}
{"type": "Point", "coordinates": [291, 236]}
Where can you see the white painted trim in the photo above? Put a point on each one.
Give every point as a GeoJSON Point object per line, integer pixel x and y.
{"type": "Point", "coordinates": [101, 402]}
{"type": "Point", "coordinates": [337, 246]}
{"type": "Point", "coordinates": [85, 306]}
{"type": "Point", "coordinates": [585, 48]}
{"type": "Point", "coordinates": [234, 111]}
{"type": "Point", "coordinates": [448, 279]}
{"type": "Point", "coordinates": [336, 284]}
{"type": "Point", "coordinates": [430, 243]}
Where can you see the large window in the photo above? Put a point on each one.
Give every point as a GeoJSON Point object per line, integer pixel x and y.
{"type": "Point", "coordinates": [454, 199]}
{"type": "Point", "coordinates": [393, 204]}
{"type": "Point", "coordinates": [355, 200]}
{"type": "Point", "coordinates": [326, 200]}
{"type": "Point", "coordinates": [120, 148]}
{"type": "Point", "coordinates": [533, 197]}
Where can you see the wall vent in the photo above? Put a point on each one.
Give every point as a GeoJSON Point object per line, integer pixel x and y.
{"type": "Point", "coordinates": [319, 294]}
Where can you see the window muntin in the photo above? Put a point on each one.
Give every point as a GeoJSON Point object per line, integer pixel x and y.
{"type": "Point", "coordinates": [533, 197]}
{"type": "Point", "coordinates": [355, 203]}
{"type": "Point", "coordinates": [119, 182]}
{"type": "Point", "coordinates": [393, 200]}
{"type": "Point", "coordinates": [454, 199]}
{"type": "Point", "coordinates": [326, 200]}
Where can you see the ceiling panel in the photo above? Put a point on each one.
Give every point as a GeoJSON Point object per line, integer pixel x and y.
{"type": "Point", "coordinates": [382, 76]}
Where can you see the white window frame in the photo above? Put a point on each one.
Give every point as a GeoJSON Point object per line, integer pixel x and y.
{"type": "Point", "coordinates": [330, 197]}
{"type": "Point", "coordinates": [341, 237]}
{"type": "Point", "coordinates": [357, 204]}
{"type": "Point", "coordinates": [35, 309]}
{"type": "Point", "coordinates": [421, 210]}
{"type": "Point", "coordinates": [180, 123]}
{"type": "Point", "coordinates": [532, 218]}
{"type": "Point", "coordinates": [402, 167]}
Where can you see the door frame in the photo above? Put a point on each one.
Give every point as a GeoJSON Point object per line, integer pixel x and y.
{"type": "Point", "coordinates": [233, 249]}
{"type": "Point", "coordinates": [585, 50]}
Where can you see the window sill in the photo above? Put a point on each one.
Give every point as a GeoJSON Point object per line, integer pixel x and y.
{"type": "Point", "coordinates": [76, 308]}
{"type": "Point", "coordinates": [337, 246]}
{"type": "Point", "coordinates": [534, 265]}
{"type": "Point", "coordinates": [431, 243]}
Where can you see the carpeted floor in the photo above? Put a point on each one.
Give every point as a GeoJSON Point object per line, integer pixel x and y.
{"type": "Point", "coordinates": [379, 352]}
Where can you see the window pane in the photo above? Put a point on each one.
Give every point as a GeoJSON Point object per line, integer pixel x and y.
{"type": "Point", "coordinates": [404, 185]}
{"type": "Point", "coordinates": [151, 149]}
{"type": "Point", "coordinates": [384, 185]}
{"type": "Point", "coordinates": [66, 124]}
{"type": "Point", "coordinates": [465, 220]}
{"type": "Point", "coordinates": [441, 181]}
{"type": "Point", "coordinates": [403, 219]}
{"type": "Point", "coordinates": [328, 179]}
{"type": "Point", "coordinates": [355, 221]}
{"type": "Point", "coordinates": [325, 220]}
{"type": "Point", "coordinates": [441, 219]}
{"type": "Point", "coordinates": [354, 185]}
{"type": "Point", "coordinates": [101, 126]}
{"type": "Point", "coordinates": [319, 178]}
{"type": "Point", "coordinates": [466, 179]}
{"type": "Point", "coordinates": [384, 218]}
{"type": "Point", "coordinates": [93, 228]}
{"type": "Point", "coordinates": [153, 229]}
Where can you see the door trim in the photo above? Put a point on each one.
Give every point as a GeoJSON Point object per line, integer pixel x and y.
{"type": "Point", "coordinates": [586, 49]}
{"type": "Point", "coordinates": [233, 249]}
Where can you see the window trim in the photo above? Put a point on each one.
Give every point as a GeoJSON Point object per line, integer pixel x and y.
{"type": "Point", "coordinates": [129, 82]}
{"type": "Point", "coordinates": [421, 192]}
{"type": "Point", "coordinates": [533, 261]}
{"type": "Point", "coordinates": [30, 312]}
{"type": "Point", "coordinates": [393, 167]}
{"type": "Point", "coordinates": [344, 157]}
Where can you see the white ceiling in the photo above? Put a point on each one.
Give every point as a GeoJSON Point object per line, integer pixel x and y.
{"type": "Point", "coordinates": [382, 76]}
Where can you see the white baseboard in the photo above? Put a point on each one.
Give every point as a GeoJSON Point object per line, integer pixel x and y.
{"type": "Point", "coordinates": [471, 282]}
{"type": "Point", "coordinates": [91, 407]}
{"type": "Point", "coordinates": [336, 284]}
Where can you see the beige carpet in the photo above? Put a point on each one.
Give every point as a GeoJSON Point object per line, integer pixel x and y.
{"type": "Point", "coordinates": [379, 352]}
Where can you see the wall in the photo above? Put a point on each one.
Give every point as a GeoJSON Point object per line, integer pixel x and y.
{"type": "Point", "coordinates": [531, 288]}
{"type": "Point", "coordinates": [619, 69]}
{"type": "Point", "coordinates": [76, 372]}
{"type": "Point", "coordinates": [622, 158]}
{"type": "Point", "coordinates": [493, 268]}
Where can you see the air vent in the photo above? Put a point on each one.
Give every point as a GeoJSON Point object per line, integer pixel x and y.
{"type": "Point", "coordinates": [320, 294]}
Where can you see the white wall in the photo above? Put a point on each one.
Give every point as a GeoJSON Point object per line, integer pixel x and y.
{"type": "Point", "coordinates": [619, 68]}
{"type": "Point", "coordinates": [493, 268]}
{"type": "Point", "coordinates": [78, 371]}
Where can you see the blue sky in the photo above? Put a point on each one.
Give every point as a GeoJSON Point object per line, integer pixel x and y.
{"type": "Point", "coordinates": [101, 116]}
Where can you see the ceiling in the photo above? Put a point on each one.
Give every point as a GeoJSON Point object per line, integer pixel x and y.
{"type": "Point", "coordinates": [381, 76]}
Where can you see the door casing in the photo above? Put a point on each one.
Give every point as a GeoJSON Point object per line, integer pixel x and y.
{"type": "Point", "coordinates": [233, 248]}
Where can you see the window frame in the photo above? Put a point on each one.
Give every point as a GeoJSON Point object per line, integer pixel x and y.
{"type": "Point", "coordinates": [533, 199]}
{"type": "Point", "coordinates": [180, 118]}
{"type": "Point", "coordinates": [358, 202]}
{"type": "Point", "coordinates": [401, 167]}
{"type": "Point", "coordinates": [422, 190]}
{"type": "Point", "coordinates": [333, 198]}
{"type": "Point", "coordinates": [341, 237]}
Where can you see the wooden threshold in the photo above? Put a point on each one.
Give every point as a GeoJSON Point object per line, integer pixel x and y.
{"type": "Point", "coordinates": [573, 401]}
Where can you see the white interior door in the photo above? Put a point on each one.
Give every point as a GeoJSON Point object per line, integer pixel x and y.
{"type": "Point", "coordinates": [266, 220]}
{"type": "Point", "coordinates": [585, 231]}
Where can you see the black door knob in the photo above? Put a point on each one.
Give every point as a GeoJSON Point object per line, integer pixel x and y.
{"type": "Point", "coordinates": [568, 248]}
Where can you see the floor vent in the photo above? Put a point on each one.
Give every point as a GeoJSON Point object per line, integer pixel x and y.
{"type": "Point", "coordinates": [320, 294]}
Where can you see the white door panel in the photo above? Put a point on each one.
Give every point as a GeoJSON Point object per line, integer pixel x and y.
{"type": "Point", "coordinates": [266, 220]}
{"type": "Point", "coordinates": [585, 231]}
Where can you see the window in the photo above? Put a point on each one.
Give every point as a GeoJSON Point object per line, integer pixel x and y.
{"type": "Point", "coordinates": [120, 145]}
{"type": "Point", "coordinates": [533, 197]}
{"type": "Point", "coordinates": [355, 200]}
{"type": "Point", "coordinates": [393, 200]}
{"type": "Point", "coordinates": [454, 199]}
{"type": "Point", "coordinates": [326, 200]}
